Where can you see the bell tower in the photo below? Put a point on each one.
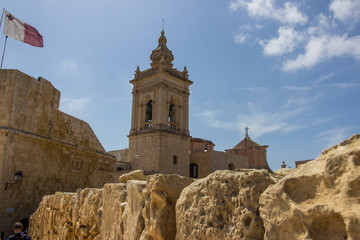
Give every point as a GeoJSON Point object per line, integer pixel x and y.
{"type": "Point", "coordinates": [159, 139]}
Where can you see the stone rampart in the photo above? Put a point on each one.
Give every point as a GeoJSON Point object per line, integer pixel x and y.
{"type": "Point", "coordinates": [53, 150]}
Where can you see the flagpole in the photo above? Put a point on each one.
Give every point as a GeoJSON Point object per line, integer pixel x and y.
{"type": "Point", "coordinates": [2, 15]}
{"type": "Point", "coordinates": [2, 59]}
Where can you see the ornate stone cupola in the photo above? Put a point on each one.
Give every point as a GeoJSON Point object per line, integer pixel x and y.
{"type": "Point", "coordinates": [161, 55]}
{"type": "Point", "coordinates": [159, 137]}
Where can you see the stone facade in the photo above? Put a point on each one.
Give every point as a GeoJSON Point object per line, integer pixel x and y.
{"type": "Point", "coordinates": [159, 136]}
{"type": "Point", "coordinates": [205, 160]}
{"type": "Point", "coordinates": [255, 153]}
{"type": "Point", "coordinates": [53, 150]}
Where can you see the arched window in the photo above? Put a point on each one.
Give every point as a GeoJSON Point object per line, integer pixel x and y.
{"type": "Point", "coordinates": [148, 112]}
{"type": "Point", "coordinates": [231, 166]}
{"type": "Point", "coordinates": [172, 113]}
{"type": "Point", "coordinates": [193, 170]}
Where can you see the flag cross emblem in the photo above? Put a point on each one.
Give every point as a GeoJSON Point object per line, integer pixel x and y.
{"type": "Point", "coordinates": [10, 17]}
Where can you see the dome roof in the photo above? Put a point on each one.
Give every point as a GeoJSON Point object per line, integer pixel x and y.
{"type": "Point", "coordinates": [161, 55]}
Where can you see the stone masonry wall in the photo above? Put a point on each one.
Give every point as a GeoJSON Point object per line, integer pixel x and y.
{"type": "Point", "coordinates": [54, 151]}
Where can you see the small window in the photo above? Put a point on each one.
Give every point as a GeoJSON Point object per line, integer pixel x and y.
{"type": "Point", "coordinates": [175, 159]}
{"type": "Point", "coordinates": [193, 170]}
{"type": "Point", "coordinates": [118, 169]}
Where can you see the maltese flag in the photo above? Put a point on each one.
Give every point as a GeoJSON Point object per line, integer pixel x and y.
{"type": "Point", "coordinates": [21, 31]}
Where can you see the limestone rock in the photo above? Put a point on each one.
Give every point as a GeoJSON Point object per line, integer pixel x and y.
{"type": "Point", "coordinates": [320, 200]}
{"type": "Point", "coordinates": [134, 175]}
{"type": "Point", "coordinates": [85, 216]}
{"type": "Point", "coordinates": [284, 171]}
{"type": "Point", "coordinates": [132, 223]}
{"type": "Point", "coordinates": [68, 216]}
{"type": "Point", "coordinates": [53, 218]}
{"type": "Point", "coordinates": [114, 201]}
{"type": "Point", "coordinates": [160, 195]}
{"type": "Point", "coordinates": [222, 206]}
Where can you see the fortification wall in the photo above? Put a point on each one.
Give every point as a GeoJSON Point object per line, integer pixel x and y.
{"type": "Point", "coordinates": [53, 150]}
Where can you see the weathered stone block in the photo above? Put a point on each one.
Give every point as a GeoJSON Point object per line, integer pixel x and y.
{"type": "Point", "coordinates": [161, 194]}
{"type": "Point", "coordinates": [320, 200]}
{"type": "Point", "coordinates": [224, 205]}
{"type": "Point", "coordinates": [134, 175]}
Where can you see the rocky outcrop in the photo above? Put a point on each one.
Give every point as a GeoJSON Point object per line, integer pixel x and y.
{"type": "Point", "coordinates": [134, 175]}
{"type": "Point", "coordinates": [85, 213]}
{"type": "Point", "coordinates": [161, 194]}
{"type": "Point", "coordinates": [113, 206]}
{"type": "Point", "coordinates": [320, 200]}
{"type": "Point", "coordinates": [68, 216]}
{"type": "Point", "coordinates": [284, 171]}
{"type": "Point", "coordinates": [132, 222]}
{"type": "Point", "coordinates": [119, 211]}
{"type": "Point", "coordinates": [224, 205]}
{"type": "Point", "coordinates": [53, 218]}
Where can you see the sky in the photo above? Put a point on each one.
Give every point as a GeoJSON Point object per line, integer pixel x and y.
{"type": "Point", "coordinates": [289, 70]}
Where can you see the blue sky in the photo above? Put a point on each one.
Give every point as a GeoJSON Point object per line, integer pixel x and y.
{"type": "Point", "coordinates": [289, 70]}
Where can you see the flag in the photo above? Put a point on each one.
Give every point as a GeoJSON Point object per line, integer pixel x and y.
{"type": "Point", "coordinates": [21, 31]}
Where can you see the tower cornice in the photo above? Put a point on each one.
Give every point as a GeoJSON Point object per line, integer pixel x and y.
{"type": "Point", "coordinates": [153, 71]}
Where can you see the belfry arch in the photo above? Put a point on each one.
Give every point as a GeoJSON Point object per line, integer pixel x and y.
{"type": "Point", "coordinates": [174, 112]}
{"type": "Point", "coordinates": [160, 115]}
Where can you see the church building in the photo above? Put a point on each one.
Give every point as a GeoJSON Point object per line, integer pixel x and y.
{"type": "Point", "coordinates": [159, 139]}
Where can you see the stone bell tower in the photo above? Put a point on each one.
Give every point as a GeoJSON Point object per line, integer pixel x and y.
{"type": "Point", "coordinates": [159, 138]}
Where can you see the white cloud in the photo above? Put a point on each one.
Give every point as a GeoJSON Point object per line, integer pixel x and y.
{"type": "Point", "coordinates": [291, 15]}
{"type": "Point", "coordinates": [346, 10]}
{"type": "Point", "coordinates": [333, 136]}
{"type": "Point", "coordinates": [262, 122]}
{"type": "Point", "coordinates": [296, 88]}
{"type": "Point", "coordinates": [324, 78]}
{"type": "Point", "coordinates": [252, 26]}
{"type": "Point", "coordinates": [73, 106]}
{"type": "Point", "coordinates": [240, 38]}
{"type": "Point", "coordinates": [320, 39]}
{"type": "Point", "coordinates": [323, 25]}
{"type": "Point", "coordinates": [285, 43]}
{"type": "Point", "coordinates": [344, 85]}
{"type": "Point", "coordinates": [284, 120]}
{"type": "Point", "coordinates": [288, 14]}
{"type": "Point", "coordinates": [323, 48]}
{"type": "Point", "coordinates": [255, 89]}
{"type": "Point", "coordinates": [210, 116]}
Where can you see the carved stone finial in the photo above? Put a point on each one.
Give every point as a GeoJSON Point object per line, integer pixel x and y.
{"type": "Point", "coordinates": [283, 165]}
{"type": "Point", "coordinates": [162, 55]}
{"type": "Point", "coordinates": [185, 70]}
{"type": "Point", "coordinates": [137, 71]}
